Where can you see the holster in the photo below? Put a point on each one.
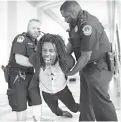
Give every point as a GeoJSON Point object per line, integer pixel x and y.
{"type": "Point", "coordinates": [110, 60]}
{"type": "Point", "coordinates": [6, 71]}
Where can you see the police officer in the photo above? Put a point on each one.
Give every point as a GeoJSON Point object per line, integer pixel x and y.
{"type": "Point", "coordinates": [21, 71]}
{"type": "Point", "coordinates": [89, 42]}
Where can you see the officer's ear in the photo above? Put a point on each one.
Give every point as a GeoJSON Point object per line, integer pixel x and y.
{"type": "Point", "coordinates": [73, 13]}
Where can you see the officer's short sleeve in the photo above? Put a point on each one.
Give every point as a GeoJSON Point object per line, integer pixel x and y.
{"type": "Point", "coordinates": [19, 45]}
{"type": "Point", "coordinates": [88, 38]}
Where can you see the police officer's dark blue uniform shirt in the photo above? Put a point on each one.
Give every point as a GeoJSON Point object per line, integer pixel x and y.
{"type": "Point", "coordinates": [21, 76]}
{"type": "Point", "coordinates": [88, 35]}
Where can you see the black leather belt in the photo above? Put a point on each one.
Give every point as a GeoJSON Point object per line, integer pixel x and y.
{"type": "Point", "coordinates": [95, 61]}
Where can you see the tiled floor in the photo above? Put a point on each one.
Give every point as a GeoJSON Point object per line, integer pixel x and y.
{"type": "Point", "coordinates": [7, 115]}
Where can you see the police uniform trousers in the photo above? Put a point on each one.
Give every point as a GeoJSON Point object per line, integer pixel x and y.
{"type": "Point", "coordinates": [65, 96]}
{"type": "Point", "coordinates": [95, 103]}
{"type": "Point", "coordinates": [18, 94]}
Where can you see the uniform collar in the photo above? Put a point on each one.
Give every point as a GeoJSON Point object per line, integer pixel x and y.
{"type": "Point", "coordinates": [77, 19]}
{"type": "Point", "coordinates": [28, 35]}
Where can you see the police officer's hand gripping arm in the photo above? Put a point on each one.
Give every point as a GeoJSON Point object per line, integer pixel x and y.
{"type": "Point", "coordinates": [82, 61]}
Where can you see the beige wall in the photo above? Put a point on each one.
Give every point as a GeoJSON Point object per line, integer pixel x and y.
{"type": "Point", "coordinates": [25, 12]}
{"type": "Point", "coordinates": [3, 31]}
{"type": "Point", "coordinates": [3, 42]}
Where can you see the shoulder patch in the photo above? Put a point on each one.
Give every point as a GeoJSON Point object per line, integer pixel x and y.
{"type": "Point", "coordinates": [87, 30]}
{"type": "Point", "coordinates": [20, 39]}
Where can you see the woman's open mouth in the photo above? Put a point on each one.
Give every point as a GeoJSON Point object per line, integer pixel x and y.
{"type": "Point", "coordinates": [47, 60]}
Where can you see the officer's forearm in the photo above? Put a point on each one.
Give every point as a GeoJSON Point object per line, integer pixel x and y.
{"type": "Point", "coordinates": [81, 63]}
{"type": "Point", "coordinates": [69, 49]}
{"type": "Point", "coordinates": [22, 60]}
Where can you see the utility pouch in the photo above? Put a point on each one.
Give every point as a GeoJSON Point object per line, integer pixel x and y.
{"type": "Point", "coordinates": [110, 60]}
{"type": "Point", "coordinates": [11, 98]}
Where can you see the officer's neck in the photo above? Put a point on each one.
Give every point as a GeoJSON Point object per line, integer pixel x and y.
{"type": "Point", "coordinates": [33, 39]}
{"type": "Point", "coordinates": [74, 22]}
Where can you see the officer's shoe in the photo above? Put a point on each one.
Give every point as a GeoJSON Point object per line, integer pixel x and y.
{"type": "Point", "coordinates": [67, 114]}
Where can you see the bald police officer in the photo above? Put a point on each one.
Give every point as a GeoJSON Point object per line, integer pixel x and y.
{"type": "Point", "coordinates": [89, 42]}
{"type": "Point", "coordinates": [21, 72]}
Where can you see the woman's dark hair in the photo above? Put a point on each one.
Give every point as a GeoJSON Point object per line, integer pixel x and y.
{"type": "Point", "coordinates": [60, 46]}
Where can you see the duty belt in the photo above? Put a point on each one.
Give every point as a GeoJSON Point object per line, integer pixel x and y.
{"type": "Point", "coordinates": [95, 61]}
{"type": "Point", "coordinates": [24, 69]}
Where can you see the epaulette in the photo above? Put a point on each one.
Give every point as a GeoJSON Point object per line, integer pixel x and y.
{"type": "Point", "coordinates": [24, 34]}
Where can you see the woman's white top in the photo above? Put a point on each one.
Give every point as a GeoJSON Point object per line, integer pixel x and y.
{"type": "Point", "coordinates": [52, 79]}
